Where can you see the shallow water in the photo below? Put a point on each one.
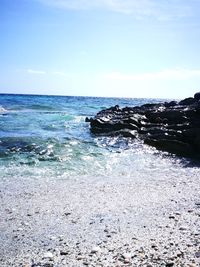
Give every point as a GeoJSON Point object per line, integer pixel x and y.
{"type": "Point", "coordinates": [47, 136]}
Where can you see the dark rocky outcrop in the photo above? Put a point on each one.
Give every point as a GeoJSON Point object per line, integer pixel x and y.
{"type": "Point", "coordinates": [170, 126]}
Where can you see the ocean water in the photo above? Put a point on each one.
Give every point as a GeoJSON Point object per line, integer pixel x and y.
{"type": "Point", "coordinates": [46, 137]}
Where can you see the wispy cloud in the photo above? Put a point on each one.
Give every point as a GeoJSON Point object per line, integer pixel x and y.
{"type": "Point", "coordinates": [162, 10]}
{"type": "Point", "coordinates": [44, 72]}
{"type": "Point", "coordinates": [31, 71]}
{"type": "Point", "coordinates": [161, 75]}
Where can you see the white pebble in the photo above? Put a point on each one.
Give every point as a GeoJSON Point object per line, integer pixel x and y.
{"type": "Point", "coordinates": [127, 256]}
{"type": "Point", "coordinates": [48, 255]}
{"type": "Point", "coordinates": [96, 249]}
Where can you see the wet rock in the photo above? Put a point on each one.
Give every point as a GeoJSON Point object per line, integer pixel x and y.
{"type": "Point", "coordinates": [172, 146]}
{"type": "Point", "coordinates": [88, 119]}
{"type": "Point", "coordinates": [171, 126]}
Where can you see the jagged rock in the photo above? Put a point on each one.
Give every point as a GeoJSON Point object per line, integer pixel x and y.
{"type": "Point", "coordinates": [187, 101]}
{"type": "Point", "coordinates": [170, 126]}
{"type": "Point", "coordinates": [172, 146]}
{"type": "Point", "coordinates": [197, 96]}
{"type": "Point", "coordinates": [88, 119]}
{"type": "Point", "coordinates": [170, 104]}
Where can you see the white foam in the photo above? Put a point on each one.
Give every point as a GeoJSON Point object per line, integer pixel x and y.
{"type": "Point", "coordinates": [2, 109]}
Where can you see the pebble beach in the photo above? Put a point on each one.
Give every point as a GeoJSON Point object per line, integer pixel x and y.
{"type": "Point", "coordinates": [100, 223]}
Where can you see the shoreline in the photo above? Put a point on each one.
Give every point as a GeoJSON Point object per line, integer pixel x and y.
{"type": "Point", "coordinates": [100, 222]}
{"type": "Point", "coordinates": [170, 126]}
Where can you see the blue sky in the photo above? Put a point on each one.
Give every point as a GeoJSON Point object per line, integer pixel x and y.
{"type": "Point", "coordinates": [122, 48]}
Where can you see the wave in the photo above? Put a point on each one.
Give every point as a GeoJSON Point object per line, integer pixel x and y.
{"type": "Point", "coordinates": [2, 109]}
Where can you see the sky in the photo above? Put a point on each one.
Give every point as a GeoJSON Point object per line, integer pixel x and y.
{"type": "Point", "coordinates": [114, 48]}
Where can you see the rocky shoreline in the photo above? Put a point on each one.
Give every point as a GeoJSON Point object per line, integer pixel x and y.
{"type": "Point", "coordinates": [149, 217]}
{"type": "Point", "coordinates": [171, 126]}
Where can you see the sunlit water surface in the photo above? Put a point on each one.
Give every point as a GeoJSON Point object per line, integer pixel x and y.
{"type": "Point", "coordinates": [47, 137]}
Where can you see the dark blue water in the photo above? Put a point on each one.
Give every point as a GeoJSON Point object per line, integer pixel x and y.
{"type": "Point", "coordinates": [47, 136]}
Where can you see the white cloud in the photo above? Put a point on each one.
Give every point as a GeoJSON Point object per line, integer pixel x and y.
{"type": "Point", "coordinates": [162, 10]}
{"type": "Point", "coordinates": [42, 72]}
{"type": "Point", "coordinates": [31, 71]}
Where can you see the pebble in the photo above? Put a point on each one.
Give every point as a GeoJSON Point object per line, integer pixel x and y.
{"type": "Point", "coordinates": [96, 249]}
{"type": "Point", "coordinates": [183, 228]}
{"type": "Point", "coordinates": [80, 257]}
{"type": "Point", "coordinates": [170, 264]}
{"type": "Point", "coordinates": [52, 237]}
{"type": "Point", "coordinates": [127, 260]}
{"type": "Point", "coordinates": [63, 253]}
{"type": "Point", "coordinates": [197, 254]}
{"type": "Point", "coordinates": [127, 256]}
{"type": "Point", "coordinates": [48, 255]}
{"type": "Point", "coordinates": [190, 211]}
{"type": "Point", "coordinates": [67, 213]}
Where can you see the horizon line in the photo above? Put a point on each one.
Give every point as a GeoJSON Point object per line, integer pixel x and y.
{"type": "Point", "coordinates": [83, 96]}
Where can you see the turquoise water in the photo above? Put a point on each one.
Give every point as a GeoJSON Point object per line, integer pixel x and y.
{"type": "Point", "coordinates": [47, 137]}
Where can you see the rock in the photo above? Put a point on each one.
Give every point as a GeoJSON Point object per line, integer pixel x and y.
{"type": "Point", "coordinates": [187, 101]}
{"type": "Point", "coordinates": [173, 127]}
{"type": "Point", "coordinates": [170, 104]}
{"type": "Point", "coordinates": [88, 119]}
{"type": "Point", "coordinates": [172, 146]}
{"type": "Point", "coordinates": [197, 96]}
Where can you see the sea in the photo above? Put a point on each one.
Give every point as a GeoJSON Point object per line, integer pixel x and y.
{"type": "Point", "coordinates": [46, 137]}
